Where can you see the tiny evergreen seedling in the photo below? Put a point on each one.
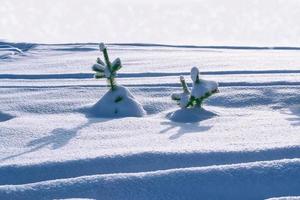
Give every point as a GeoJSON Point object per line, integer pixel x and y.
{"type": "Point", "coordinates": [201, 90]}
{"type": "Point", "coordinates": [107, 70]}
{"type": "Point", "coordinates": [118, 101]}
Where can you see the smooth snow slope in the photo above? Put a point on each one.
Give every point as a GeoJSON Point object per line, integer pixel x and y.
{"type": "Point", "coordinates": [50, 147]}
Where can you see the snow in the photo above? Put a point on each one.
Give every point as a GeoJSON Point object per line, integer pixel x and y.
{"type": "Point", "coordinates": [245, 144]}
{"type": "Point", "coordinates": [7, 51]}
{"type": "Point", "coordinates": [5, 117]}
{"type": "Point", "coordinates": [194, 74]}
{"type": "Point", "coordinates": [184, 99]}
{"type": "Point", "coordinates": [117, 103]}
{"type": "Point", "coordinates": [203, 87]}
{"type": "Point", "coordinates": [212, 182]}
{"type": "Point", "coordinates": [285, 198]}
{"type": "Point", "coordinates": [98, 67]}
{"type": "Point", "coordinates": [102, 47]}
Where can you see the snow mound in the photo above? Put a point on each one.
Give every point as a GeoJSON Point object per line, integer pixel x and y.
{"type": "Point", "coordinates": [117, 103]}
{"type": "Point", "coordinates": [190, 115]}
{"type": "Point", "coordinates": [5, 117]}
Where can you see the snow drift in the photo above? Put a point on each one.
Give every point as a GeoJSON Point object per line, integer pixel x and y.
{"type": "Point", "coordinates": [5, 117]}
{"type": "Point", "coordinates": [267, 179]}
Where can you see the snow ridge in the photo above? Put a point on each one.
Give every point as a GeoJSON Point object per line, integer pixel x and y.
{"type": "Point", "coordinates": [280, 175]}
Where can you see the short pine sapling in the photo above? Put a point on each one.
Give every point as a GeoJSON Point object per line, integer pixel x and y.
{"type": "Point", "coordinates": [201, 90]}
{"type": "Point", "coordinates": [184, 97]}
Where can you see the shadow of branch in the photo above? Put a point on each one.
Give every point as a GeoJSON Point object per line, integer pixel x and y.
{"type": "Point", "coordinates": [58, 138]}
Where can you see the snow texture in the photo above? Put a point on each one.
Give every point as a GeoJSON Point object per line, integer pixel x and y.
{"type": "Point", "coordinates": [117, 103]}
{"type": "Point", "coordinates": [285, 198]}
{"type": "Point", "coordinates": [194, 74]}
{"type": "Point", "coordinates": [245, 145]}
{"type": "Point", "coordinates": [203, 87]}
{"type": "Point", "coordinates": [184, 99]}
{"type": "Point", "coordinates": [5, 117]}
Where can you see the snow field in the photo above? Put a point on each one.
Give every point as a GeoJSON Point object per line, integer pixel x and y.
{"type": "Point", "coordinates": [246, 148]}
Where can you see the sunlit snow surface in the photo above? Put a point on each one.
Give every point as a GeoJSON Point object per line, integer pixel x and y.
{"type": "Point", "coordinates": [249, 148]}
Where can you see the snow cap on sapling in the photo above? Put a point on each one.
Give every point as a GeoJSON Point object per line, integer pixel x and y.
{"type": "Point", "coordinates": [202, 89]}
{"type": "Point", "coordinates": [195, 74]}
{"type": "Point", "coordinates": [98, 67]}
{"type": "Point", "coordinates": [102, 46]}
{"type": "Point", "coordinates": [184, 85]}
{"type": "Point", "coordinates": [182, 98]}
{"type": "Point", "coordinates": [100, 62]}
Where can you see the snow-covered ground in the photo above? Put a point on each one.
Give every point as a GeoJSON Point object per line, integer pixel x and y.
{"type": "Point", "coordinates": [246, 147]}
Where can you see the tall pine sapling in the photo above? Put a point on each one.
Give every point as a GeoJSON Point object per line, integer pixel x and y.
{"type": "Point", "coordinates": [118, 101]}
{"type": "Point", "coordinates": [107, 70]}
